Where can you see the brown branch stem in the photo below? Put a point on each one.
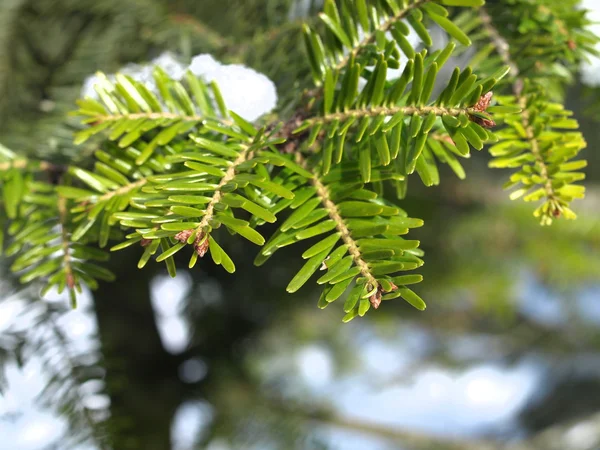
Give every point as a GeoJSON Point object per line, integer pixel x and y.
{"type": "Point", "coordinates": [123, 189]}
{"type": "Point", "coordinates": [388, 111]}
{"type": "Point", "coordinates": [536, 151]}
{"type": "Point", "coordinates": [216, 198]}
{"type": "Point", "coordinates": [342, 228]}
{"type": "Point", "coordinates": [24, 163]}
{"type": "Point", "coordinates": [149, 116]}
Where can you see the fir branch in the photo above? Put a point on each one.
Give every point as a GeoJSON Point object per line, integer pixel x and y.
{"type": "Point", "coordinates": [554, 206]}
{"type": "Point", "coordinates": [549, 51]}
{"type": "Point", "coordinates": [245, 154]}
{"type": "Point", "coordinates": [383, 27]}
{"type": "Point", "coordinates": [346, 235]}
{"type": "Point", "coordinates": [371, 249]}
{"type": "Point", "coordinates": [388, 111]}
{"type": "Point", "coordinates": [503, 49]}
{"type": "Point", "coordinates": [148, 116]}
{"type": "Point", "coordinates": [128, 102]}
{"type": "Point", "coordinates": [24, 163]}
{"type": "Point", "coordinates": [537, 153]}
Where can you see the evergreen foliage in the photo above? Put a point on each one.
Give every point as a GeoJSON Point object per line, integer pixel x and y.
{"type": "Point", "coordinates": [171, 169]}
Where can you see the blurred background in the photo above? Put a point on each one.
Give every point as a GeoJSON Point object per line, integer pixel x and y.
{"type": "Point", "coordinates": [506, 356]}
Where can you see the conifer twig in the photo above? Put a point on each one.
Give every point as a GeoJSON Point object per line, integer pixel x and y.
{"type": "Point", "coordinates": [342, 228]}
{"type": "Point", "coordinates": [383, 27]}
{"type": "Point", "coordinates": [503, 48]}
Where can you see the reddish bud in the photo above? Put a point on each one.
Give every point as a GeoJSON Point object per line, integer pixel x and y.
{"type": "Point", "coordinates": [485, 123]}
{"type": "Point", "coordinates": [70, 280]}
{"type": "Point", "coordinates": [481, 106]}
{"type": "Point", "coordinates": [375, 299]}
{"type": "Point", "coordinates": [201, 244]}
{"type": "Point", "coordinates": [183, 236]}
{"type": "Point", "coordinates": [483, 102]}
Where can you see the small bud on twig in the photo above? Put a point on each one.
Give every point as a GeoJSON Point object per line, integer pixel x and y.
{"type": "Point", "coordinates": [201, 244]}
{"type": "Point", "coordinates": [183, 236]}
{"type": "Point", "coordinates": [481, 106]}
{"type": "Point", "coordinates": [375, 299]}
{"type": "Point", "coordinates": [70, 279]}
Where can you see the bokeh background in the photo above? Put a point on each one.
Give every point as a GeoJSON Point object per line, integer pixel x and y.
{"type": "Point", "coordinates": [507, 355]}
